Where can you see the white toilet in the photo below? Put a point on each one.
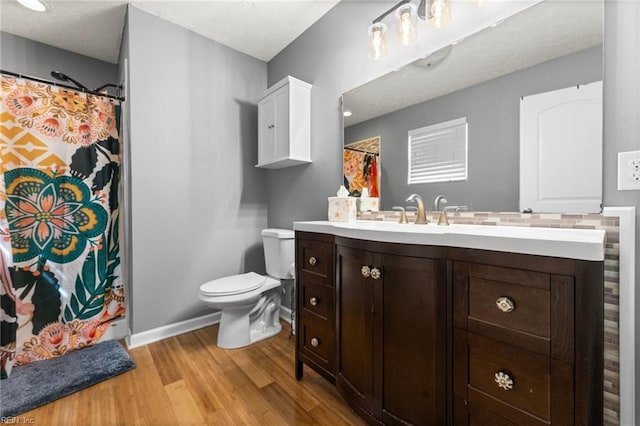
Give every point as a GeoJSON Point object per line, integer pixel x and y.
{"type": "Point", "coordinates": [250, 303]}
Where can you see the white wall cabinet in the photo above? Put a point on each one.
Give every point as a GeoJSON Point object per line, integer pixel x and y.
{"type": "Point", "coordinates": [284, 124]}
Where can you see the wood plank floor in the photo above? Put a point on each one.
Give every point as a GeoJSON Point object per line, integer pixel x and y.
{"type": "Point", "coordinates": [188, 380]}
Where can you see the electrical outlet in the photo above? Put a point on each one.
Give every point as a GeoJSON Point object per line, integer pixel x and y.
{"type": "Point", "coordinates": [629, 170]}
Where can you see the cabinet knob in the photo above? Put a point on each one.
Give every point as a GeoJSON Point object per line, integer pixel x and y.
{"type": "Point", "coordinates": [375, 273]}
{"type": "Point", "coordinates": [315, 342]}
{"type": "Point", "coordinates": [366, 271]}
{"type": "Point", "coordinates": [271, 126]}
{"type": "Point", "coordinates": [313, 260]}
{"type": "Point", "coordinates": [505, 304]}
{"type": "Point", "coordinates": [504, 380]}
{"type": "Point", "coordinates": [313, 301]}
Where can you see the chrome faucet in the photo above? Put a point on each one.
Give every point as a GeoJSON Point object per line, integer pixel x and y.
{"type": "Point", "coordinates": [421, 217]}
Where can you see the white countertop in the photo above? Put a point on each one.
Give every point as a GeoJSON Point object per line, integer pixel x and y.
{"type": "Point", "coordinates": [584, 244]}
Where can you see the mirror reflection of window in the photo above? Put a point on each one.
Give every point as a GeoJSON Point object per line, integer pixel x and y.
{"type": "Point", "coordinates": [438, 153]}
{"type": "Point", "coordinates": [361, 167]}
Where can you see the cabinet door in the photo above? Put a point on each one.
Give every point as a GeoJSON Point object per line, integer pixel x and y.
{"type": "Point", "coordinates": [281, 123]}
{"type": "Point", "coordinates": [413, 340]}
{"type": "Point", "coordinates": [273, 127]}
{"type": "Point", "coordinates": [355, 351]}
{"type": "Point", "coordinates": [266, 130]}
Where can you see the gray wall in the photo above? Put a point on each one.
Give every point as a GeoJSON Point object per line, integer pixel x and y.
{"type": "Point", "coordinates": [621, 118]}
{"type": "Point", "coordinates": [36, 59]}
{"type": "Point", "coordinates": [492, 112]}
{"type": "Point", "coordinates": [198, 202]}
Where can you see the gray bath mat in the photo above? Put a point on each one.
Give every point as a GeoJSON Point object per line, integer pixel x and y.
{"type": "Point", "coordinates": [38, 383]}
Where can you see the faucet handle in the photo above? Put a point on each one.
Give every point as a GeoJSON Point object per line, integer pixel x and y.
{"type": "Point", "coordinates": [456, 208]}
{"type": "Point", "coordinates": [403, 214]}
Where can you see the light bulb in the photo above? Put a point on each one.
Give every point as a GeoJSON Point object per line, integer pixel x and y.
{"type": "Point", "coordinates": [407, 17]}
{"type": "Point", "coordinates": [440, 13]}
{"type": "Point", "coordinates": [377, 43]}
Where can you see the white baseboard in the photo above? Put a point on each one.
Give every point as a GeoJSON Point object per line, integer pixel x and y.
{"type": "Point", "coordinates": [285, 314]}
{"type": "Point", "coordinates": [170, 330]}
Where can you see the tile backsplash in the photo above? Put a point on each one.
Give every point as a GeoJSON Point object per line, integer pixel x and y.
{"type": "Point", "coordinates": [611, 275]}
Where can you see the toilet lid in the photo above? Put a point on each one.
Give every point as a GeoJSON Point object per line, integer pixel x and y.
{"type": "Point", "coordinates": [234, 284]}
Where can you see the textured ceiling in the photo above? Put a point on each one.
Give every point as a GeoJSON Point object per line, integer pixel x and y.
{"type": "Point", "coordinates": [548, 30]}
{"type": "Point", "coordinates": [260, 28]}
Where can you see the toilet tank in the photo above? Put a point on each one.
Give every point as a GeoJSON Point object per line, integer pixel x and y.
{"type": "Point", "coordinates": [278, 252]}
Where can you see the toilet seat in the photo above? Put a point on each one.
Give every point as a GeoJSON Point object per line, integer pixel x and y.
{"type": "Point", "coordinates": [234, 284]}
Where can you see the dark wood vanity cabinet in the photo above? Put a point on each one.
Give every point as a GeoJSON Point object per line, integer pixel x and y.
{"type": "Point", "coordinates": [392, 339]}
{"type": "Point", "coordinates": [315, 304]}
{"type": "Point", "coordinates": [427, 335]}
{"type": "Point", "coordinates": [527, 334]}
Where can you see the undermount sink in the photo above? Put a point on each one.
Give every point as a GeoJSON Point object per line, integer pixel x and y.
{"type": "Point", "coordinates": [585, 244]}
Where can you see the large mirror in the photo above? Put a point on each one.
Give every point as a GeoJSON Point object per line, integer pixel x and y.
{"type": "Point", "coordinates": [549, 46]}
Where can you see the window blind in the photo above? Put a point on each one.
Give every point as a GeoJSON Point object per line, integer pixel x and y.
{"type": "Point", "coordinates": [438, 153]}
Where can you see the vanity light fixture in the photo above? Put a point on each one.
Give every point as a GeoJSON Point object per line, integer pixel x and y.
{"type": "Point", "coordinates": [440, 13]}
{"type": "Point", "coordinates": [407, 18]}
{"type": "Point", "coordinates": [35, 5]}
{"type": "Point", "coordinates": [377, 40]}
{"type": "Point", "coordinates": [436, 12]}
{"type": "Point", "coordinates": [347, 113]}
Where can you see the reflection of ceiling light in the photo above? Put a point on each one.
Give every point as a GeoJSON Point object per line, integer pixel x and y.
{"type": "Point", "coordinates": [36, 5]}
{"type": "Point", "coordinates": [407, 15]}
{"type": "Point", "coordinates": [347, 113]}
{"type": "Point", "coordinates": [496, 24]}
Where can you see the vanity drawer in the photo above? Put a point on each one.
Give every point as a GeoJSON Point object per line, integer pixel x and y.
{"type": "Point", "coordinates": [514, 306]}
{"type": "Point", "coordinates": [315, 258]}
{"type": "Point", "coordinates": [317, 341]}
{"type": "Point", "coordinates": [525, 375]}
{"type": "Point", "coordinates": [318, 299]}
{"type": "Point", "coordinates": [529, 309]}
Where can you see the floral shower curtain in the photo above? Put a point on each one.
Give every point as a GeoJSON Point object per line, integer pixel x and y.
{"type": "Point", "coordinates": [59, 220]}
{"type": "Point", "coordinates": [360, 171]}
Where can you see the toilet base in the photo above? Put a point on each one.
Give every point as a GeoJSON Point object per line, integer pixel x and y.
{"type": "Point", "coordinates": [243, 325]}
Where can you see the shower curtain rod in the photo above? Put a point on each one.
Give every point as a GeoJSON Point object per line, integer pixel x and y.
{"type": "Point", "coordinates": [66, 86]}
{"type": "Point", "coordinates": [361, 150]}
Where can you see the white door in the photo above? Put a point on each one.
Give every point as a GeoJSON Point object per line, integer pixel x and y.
{"type": "Point", "coordinates": [561, 150]}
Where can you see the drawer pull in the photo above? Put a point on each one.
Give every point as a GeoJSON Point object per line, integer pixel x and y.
{"type": "Point", "coordinates": [375, 273]}
{"type": "Point", "coordinates": [504, 380]}
{"type": "Point", "coordinates": [313, 301]}
{"type": "Point", "coordinates": [315, 342]}
{"type": "Point", "coordinates": [313, 260]}
{"type": "Point", "coordinates": [505, 304]}
{"type": "Point", "coordinates": [366, 271]}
